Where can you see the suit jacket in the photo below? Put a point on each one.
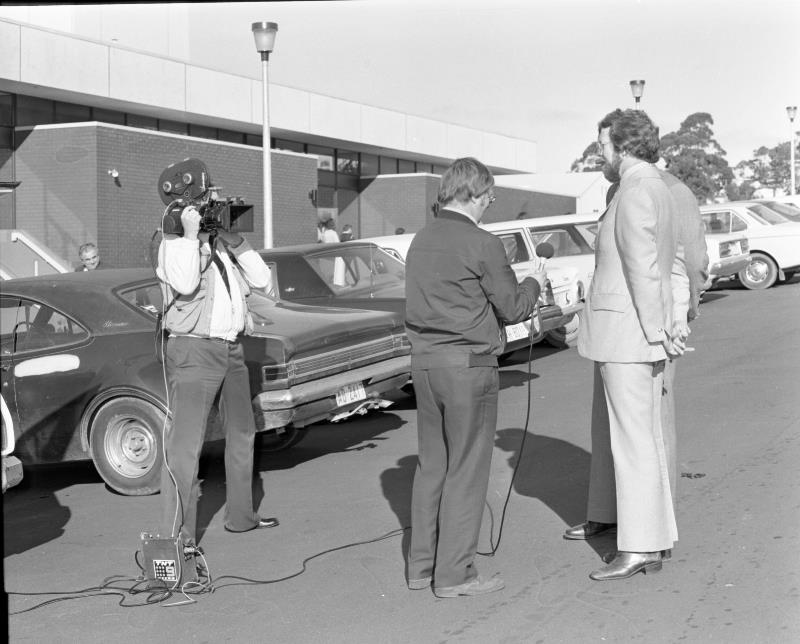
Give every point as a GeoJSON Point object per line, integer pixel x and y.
{"type": "Point", "coordinates": [460, 289]}
{"type": "Point", "coordinates": [691, 240]}
{"type": "Point", "coordinates": [629, 304]}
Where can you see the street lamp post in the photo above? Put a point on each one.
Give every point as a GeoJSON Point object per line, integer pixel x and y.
{"type": "Point", "coordinates": [637, 89]}
{"type": "Point", "coordinates": [791, 112]}
{"type": "Point", "coordinates": [264, 35]}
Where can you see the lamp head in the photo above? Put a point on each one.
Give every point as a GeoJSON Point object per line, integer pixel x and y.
{"type": "Point", "coordinates": [637, 88]}
{"type": "Point", "coordinates": [791, 112]}
{"type": "Point", "coordinates": [264, 35]}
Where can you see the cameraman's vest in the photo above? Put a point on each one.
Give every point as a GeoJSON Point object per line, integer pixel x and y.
{"type": "Point", "coordinates": [191, 314]}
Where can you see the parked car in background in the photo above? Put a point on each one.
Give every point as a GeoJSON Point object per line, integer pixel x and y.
{"type": "Point", "coordinates": [81, 378]}
{"type": "Point", "coordinates": [361, 275]}
{"type": "Point", "coordinates": [774, 240]}
{"type": "Point", "coordinates": [12, 466]}
{"type": "Point", "coordinates": [728, 254]}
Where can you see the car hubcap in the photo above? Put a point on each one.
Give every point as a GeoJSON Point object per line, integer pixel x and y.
{"type": "Point", "coordinates": [757, 271]}
{"type": "Point", "coordinates": [130, 448]}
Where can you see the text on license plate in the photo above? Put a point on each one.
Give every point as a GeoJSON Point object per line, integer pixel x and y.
{"type": "Point", "coordinates": [517, 331]}
{"type": "Point", "coordinates": [350, 394]}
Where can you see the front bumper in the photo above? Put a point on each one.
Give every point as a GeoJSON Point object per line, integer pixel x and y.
{"type": "Point", "coordinates": [313, 401]}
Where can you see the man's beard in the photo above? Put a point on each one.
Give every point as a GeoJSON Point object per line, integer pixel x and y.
{"type": "Point", "coordinates": [610, 169]}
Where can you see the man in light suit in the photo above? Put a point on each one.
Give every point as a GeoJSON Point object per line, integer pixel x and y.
{"type": "Point", "coordinates": [627, 330]}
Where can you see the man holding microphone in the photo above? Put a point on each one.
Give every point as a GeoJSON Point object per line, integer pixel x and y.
{"type": "Point", "coordinates": [460, 292]}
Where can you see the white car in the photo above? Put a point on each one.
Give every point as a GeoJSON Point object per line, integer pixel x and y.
{"type": "Point", "coordinates": [567, 287]}
{"type": "Point", "coordinates": [774, 240]}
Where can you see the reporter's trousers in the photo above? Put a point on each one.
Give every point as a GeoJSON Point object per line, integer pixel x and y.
{"type": "Point", "coordinates": [629, 480]}
{"type": "Point", "coordinates": [456, 421]}
{"type": "Point", "coordinates": [198, 369]}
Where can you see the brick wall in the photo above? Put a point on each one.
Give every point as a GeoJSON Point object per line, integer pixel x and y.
{"type": "Point", "coordinates": [392, 201]}
{"type": "Point", "coordinates": [67, 196]}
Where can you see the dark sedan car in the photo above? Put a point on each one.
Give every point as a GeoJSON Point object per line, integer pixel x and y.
{"type": "Point", "coordinates": [362, 275]}
{"type": "Point", "coordinates": [81, 378]}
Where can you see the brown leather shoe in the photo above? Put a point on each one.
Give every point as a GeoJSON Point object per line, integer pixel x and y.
{"type": "Point", "coordinates": [627, 564]}
{"type": "Point", "coordinates": [477, 586]}
{"type": "Point", "coordinates": [588, 530]}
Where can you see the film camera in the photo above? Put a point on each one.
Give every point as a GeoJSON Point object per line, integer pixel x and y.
{"type": "Point", "coordinates": [187, 183]}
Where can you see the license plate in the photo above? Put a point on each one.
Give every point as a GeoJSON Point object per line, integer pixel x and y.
{"type": "Point", "coordinates": [350, 394]}
{"type": "Point", "coordinates": [517, 331]}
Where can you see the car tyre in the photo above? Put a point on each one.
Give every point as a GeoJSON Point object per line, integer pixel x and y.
{"type": "Point", "coordinates": [277, 440]}
{"type": "Point", "coordinates": [125, 441]}
{"type": "Point", "coordinates": [761, 273]}
{"type": "Point", "coordinates": [564, 336]}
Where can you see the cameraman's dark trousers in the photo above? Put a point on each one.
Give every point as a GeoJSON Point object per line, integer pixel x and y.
{"type": "Point", "coordinates": [197, 370]}
{"type": "Point", "coordinates": [456, 420]}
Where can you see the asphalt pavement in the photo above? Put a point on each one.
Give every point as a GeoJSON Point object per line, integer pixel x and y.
{"type": "Point", "coordinates": [333, 571]}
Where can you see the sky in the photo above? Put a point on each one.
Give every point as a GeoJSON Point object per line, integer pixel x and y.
{"type": "Point", "coordinates": [542, 70]}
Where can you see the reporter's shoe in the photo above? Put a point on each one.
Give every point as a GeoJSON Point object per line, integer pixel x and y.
{"type": "Point", "coordinates": [477, 586]}
{"type": "Point", "coordinates": [270, 522]}
{"type": "Point", "coordinates": [419, 584]}
{"type": "Point", "coordinates": [666, 555]}
{"type": "Point", "coordinates": [588, 530]}
{"type": "Point", "coordinates": [627, 564]}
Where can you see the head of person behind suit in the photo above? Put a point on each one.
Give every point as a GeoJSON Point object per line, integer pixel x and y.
{"type": "Point", "coordinates": [468, 185]}
{"type": "Point", "coordinates": [624, 133]}
{"type": "Point", "coordinates": [89, 256]}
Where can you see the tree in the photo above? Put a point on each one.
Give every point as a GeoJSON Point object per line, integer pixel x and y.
{"type": "Point", "coordinates": [694, 156]}
{"type": "Point", "coordinates": [769, 167]}
{"type": "Point", "coordinates": [590, 161]}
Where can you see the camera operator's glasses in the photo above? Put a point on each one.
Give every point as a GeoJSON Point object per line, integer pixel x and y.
{"type": "Point", "coordinates": [490, 194]}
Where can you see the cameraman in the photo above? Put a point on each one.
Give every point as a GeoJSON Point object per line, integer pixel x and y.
{"type": "Point", "coordinates": [205, 280]}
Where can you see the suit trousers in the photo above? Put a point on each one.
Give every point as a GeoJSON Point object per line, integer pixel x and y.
{"type": "Point", "coordinates": [629, 481]}
{"type": "Point", "coordinates": [197, 370]}
{"type": "Point", "coordinates": [456, 422]}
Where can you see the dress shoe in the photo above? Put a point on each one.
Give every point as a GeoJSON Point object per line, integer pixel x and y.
{"type": "Point", "coordinates": [419, 584]}
{"type": "Point", "coordinates": [271, 522]}
{"type": "Point", "coordinates": [588, 530]}
{"type": "Point", "coordinates": [666, 555]}
{"type": "Point", "coordinates": [477, 586]}
{"type": "Point", "coordinates": [627, 564]}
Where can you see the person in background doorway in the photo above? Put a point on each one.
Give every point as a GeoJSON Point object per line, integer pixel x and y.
{"type": "Point", "coordinates": [347, 233]}
{"type": "Point", "coordinates": [89, 256]}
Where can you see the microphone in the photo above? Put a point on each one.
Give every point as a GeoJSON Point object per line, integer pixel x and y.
{"type": "Point", "coordinates": [545, 250]}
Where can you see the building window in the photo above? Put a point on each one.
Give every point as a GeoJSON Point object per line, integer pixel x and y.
{"type": "Point", "coordinates": [108, 116]}
{"type": "Point", "coordinates": [71, 113]}
{"type": "Point", "coordinates": [145, 122]}
{"type": "Point", "coordinates": [202, 131]}
{"type": "Point", "coordinates": [175, 127]}
{"type": "Point", "coordinates": [6, 109]}
{"type": "Point", "coordinates": [325, 156]}
{"type": "Point", "coordinates": [34, 111]}
{"type": "Point", "coordinates": [347, 162]}
{"type": "Point", "coordinates": [255, 140]}
{"type": "Point", "coordinates": [387, 165]}
{"type": "Point", "coordinates": [292, 146]}
{"type": "Point", "coordinates": [230, 136]}
{"type": "Point", "coordinates": [369, 165]}
{"type": "Point", "coordinates": [405, 167]}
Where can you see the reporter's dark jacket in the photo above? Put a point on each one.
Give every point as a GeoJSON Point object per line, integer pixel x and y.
{"type": "Point", "coordinates": [460, 293]}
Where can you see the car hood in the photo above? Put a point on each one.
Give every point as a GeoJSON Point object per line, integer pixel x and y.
{"type": "Point", "coordinates": [304, 329]}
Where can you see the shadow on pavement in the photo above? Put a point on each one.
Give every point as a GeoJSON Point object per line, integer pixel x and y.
{"type": "Point", "coordinates": [396, 484]}
{"type": "Point", "coordinates": [32, 515]}
{"type": "Point", "coordinates": [555, 472]}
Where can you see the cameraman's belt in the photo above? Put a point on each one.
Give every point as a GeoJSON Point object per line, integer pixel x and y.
{"type": "Point", "coordinates": [438, 360]}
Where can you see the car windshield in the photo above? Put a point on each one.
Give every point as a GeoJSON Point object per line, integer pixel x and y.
{"type": "Point", "coordinates": [766, 215]}
{"type": "Point", "coordinates": [352, 268]}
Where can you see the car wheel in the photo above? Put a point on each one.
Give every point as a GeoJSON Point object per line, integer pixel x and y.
{"type": "Point", "coordinates": [564, 336]}
{"type": "Point", "coordinates": [126, 447]}
{"type": "Point", "coordinates": [761, 273]}
{"type": "Point", "coordinates": [277, 440]}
